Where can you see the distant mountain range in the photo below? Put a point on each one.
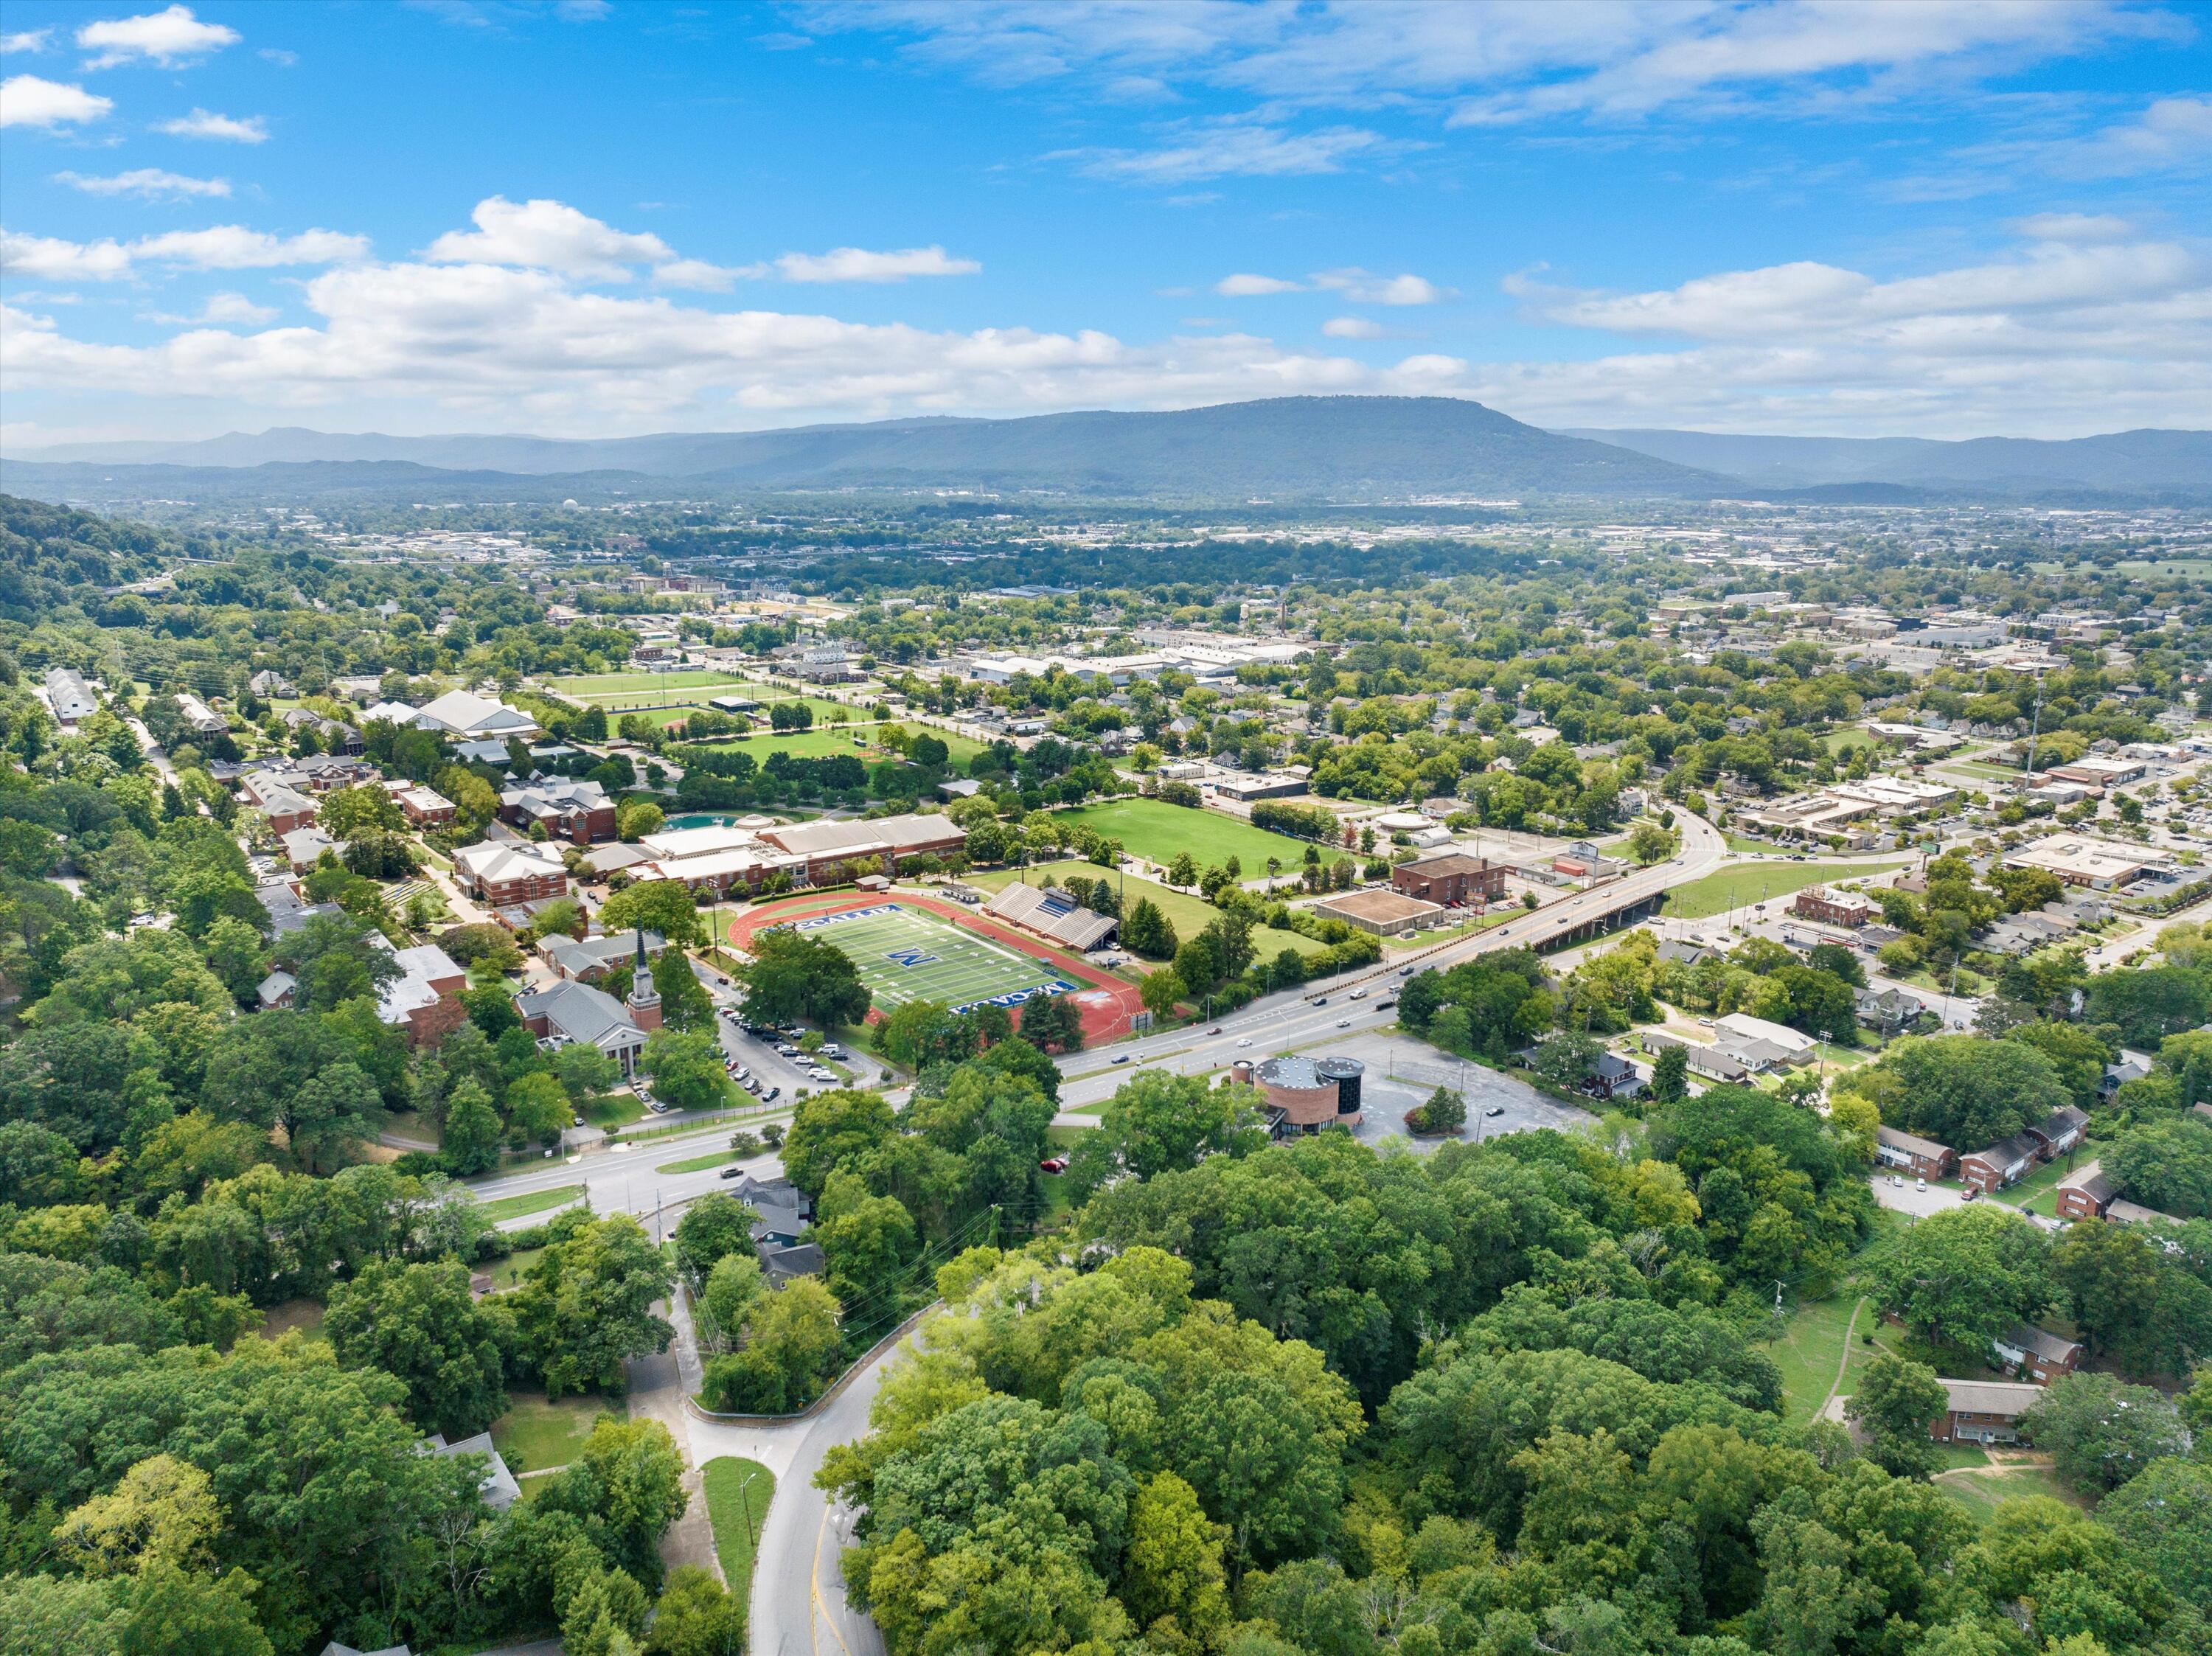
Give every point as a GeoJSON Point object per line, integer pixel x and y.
{"type": "Point", "coordinates": [1342, 449]}
{"type": "Point", "coordinates": [2149, 462]}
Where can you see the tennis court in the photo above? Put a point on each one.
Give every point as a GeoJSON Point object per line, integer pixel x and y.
{"type": "Point", "coordinates": [906, 954]}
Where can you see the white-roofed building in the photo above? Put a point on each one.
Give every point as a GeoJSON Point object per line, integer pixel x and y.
{"type": "Point", "coordinates": [469, 717]}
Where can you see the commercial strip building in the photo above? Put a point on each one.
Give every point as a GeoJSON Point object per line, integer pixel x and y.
{"type": "Point", "coordinates": [2099, 865]}
{"type": "Point", "coordinates": [1383, 914]}
{"type": "Point", "coordinates": [1817, 902]}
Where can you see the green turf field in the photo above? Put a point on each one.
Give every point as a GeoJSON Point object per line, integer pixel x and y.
{"type": "Point", "coordinates": [908, 955]}
{"type": "Point", "coordinates": [611, 683]}
{"type": "Point", "coordinates": [1160, 832]}
{"type": "Point", "coordinates": [1759, 882]}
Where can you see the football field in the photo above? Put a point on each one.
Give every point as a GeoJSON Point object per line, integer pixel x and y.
{"type": "Point", "coordinates": [907, 955]}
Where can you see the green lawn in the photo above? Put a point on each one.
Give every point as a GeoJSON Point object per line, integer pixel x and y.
{"type": "Point", "coordinates": [1981, 1492]}
{"type": "Point", "coordinates": [1810, 1351]}
{"type": "Point", "coordinates": [613, 1110]}
{"type": "Point", "coordinates": [592, 684]}
{"type": "Point", "coordinates": [510, 1272]}
{"type": "Point", "coordinates": [1161, 832]}
{"type": "Point", "coordinates": [738, 1494]}
{"type": "Point", "coordinates": [701, 1163]}
{"type": "Point", "coordinates": [2038, 1193]}
{"type": "Point", "coordinates": [1189, 915]}
{"type": "Point", "coordinates": [806, 744]}
{"type": "Point", "coordinates": [536, 1201]}
{"type": "Point", "coordinates": [534, 1436]}
{"type": "Point", "coordinates": [1738, 887]}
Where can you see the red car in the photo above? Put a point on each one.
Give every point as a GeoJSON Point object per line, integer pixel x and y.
{"type": "Point", "coordinates": [1054, 1164]}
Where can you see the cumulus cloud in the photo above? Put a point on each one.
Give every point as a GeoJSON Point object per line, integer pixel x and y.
{"type": "Point", "coordinates": [2069, 330]}
{"type": "Point", "coordinates": [30, 101]}
{"type": "Point", "coordinates": [1245, 285]}
{"type": "Point", "coordinates": [170, 39]}
{"type": "Point", "coordinates": [1359, 285]}
{"type": "Point", "coordinates": [149, 183]}
{"type": "Point", "coordinates": [225, 129]}
{"type": "Point", "coordinates": [548, 235]}
{"type": "Point", "coordinates": [219, 247]}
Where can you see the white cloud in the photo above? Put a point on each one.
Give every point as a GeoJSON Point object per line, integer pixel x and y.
{"type": "Point", "coordinates": [861, 265]}
{"type": "Point", "coordinates": [222, 310]}
{"type": "Point", "coordinates": [698, 275]}
{"type": "Point", "coordinates": [1232, 148]}
{"type": "Point", "coordinates": [28, 100]}
{"type": "Point", "coordinates": [2072, 227]}
{"type": "Point", "coordinates": [2170, 132]}
{"type": "Point", "coordinates": [234, 247]}
{"type": "Point", "coordinates": [29, 39]}
{"type": "Point", "coordinates": [1358, 286]}
{"type": "Point", "coordinates": [219, 247]}
{"type": "Point", "coordinates": [1570, 56]}
{"type": "Point", "coordinates": [2062, 337]}
{"type": "Point", "coordinates": [150, 182]}
{"type": "Point", "coordinates": [169, 38]}
{"type": "Point", "coordinates": [1245, 285]}
{"type": "Point", "coordinates": [206, 123]}
{"type": "Point", "coordinates": [279, 56]}
{"type": "Point", "coordinates": [48, 259]}
{"type": "Point", "coordinates": [548, 235]}
{"type": "Point", "coordinates": [1352, 327]}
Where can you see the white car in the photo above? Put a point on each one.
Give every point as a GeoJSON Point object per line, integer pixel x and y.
{"type": "Point", "coordinates": [1245, 1042]}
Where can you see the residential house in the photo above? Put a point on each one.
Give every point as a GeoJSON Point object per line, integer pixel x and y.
{"type": "Point", "coordinates": [780, 1264]}
{"type": "Point", "coordinates": [2037, 1353]}
{"type": "Point", "coordinates": [1741, 1026]}
{"type": "Point", "coordinates": [1886, 1012]}
{"type": "Point", "coordinates": [2128, 1066]}
{"type": "Point", "coordinates": [782, 1211]}
{"type": "Point", "coordinates": [276, 989]}
{"type": "Point", "coordinates": [2086, 1192]}
{"type": "Point", "coordinates": [70, 697]}
{"type": "Point", "coordinates": [2005, 1162]}
{"type": "Point", "coordinates": [1983, 1411]}
{"type": "Point", "coordinates": [1611, 1076]}
{"type": "Point", "coordinates": [499, 1487]}
{"type": "Point", "coordinates": [1924, 1158]}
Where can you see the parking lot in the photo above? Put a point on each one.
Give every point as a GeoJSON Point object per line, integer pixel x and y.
{"type": "Point", "coordinates": [1402, 1072]}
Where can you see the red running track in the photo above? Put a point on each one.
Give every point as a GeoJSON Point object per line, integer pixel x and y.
{"type": "Point", "coordinates": [1107, 1005]}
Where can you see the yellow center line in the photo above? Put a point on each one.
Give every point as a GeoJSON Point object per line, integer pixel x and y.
{"type": "Point", "coordinates": [814, 1594]}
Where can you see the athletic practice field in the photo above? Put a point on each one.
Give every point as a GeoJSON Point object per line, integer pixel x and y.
{"type": "Point", "coordinates": [906, 954]}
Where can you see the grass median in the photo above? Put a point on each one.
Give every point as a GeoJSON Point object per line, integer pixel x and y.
{"type": "Point", "coordinates": [738, 1494]}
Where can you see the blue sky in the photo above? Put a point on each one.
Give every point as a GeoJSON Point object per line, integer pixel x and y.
{"type": "Point", "coordinates": [583, 218]}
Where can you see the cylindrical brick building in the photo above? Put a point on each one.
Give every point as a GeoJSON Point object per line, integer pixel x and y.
{"type": "Point", "coordinates": [1296, 1086]}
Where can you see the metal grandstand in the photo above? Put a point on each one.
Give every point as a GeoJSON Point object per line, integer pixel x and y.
{"type": "Point", "coordinates": [1052, 914]}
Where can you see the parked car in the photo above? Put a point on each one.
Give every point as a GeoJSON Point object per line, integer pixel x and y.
{"type": "Point", "coordinates": [832, 1049]}
{"type": "Point", "coordinates": [1054, 1164]}
{"type": "Point", "coordinates": [1495, 1109]}
{"type": "Point", "coordinates": [771, 1094]}
{"type": "Point", "coordinates": [1972, 1193]}
{"type": "Point", "coordinates": [744, 1073]}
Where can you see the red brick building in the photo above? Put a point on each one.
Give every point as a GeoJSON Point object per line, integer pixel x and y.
{"type": "Point", "coordinates": [2087, 1193]}
{"type": "Point", "coordinates": [502, 876]}
{"type": "Point", "coordinates": [2038, 1353]}
{"type": "Point", "coordinates": [1817, 902]}
{"type": "Point", "coordinates": [1908, 1153]}
{"type": "Point", "coordinates": [425, 808]}
{"type": "Point", "coordinates": [1983, 1411]}
{"type": "Point", "coordinates": [1450, 877]}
